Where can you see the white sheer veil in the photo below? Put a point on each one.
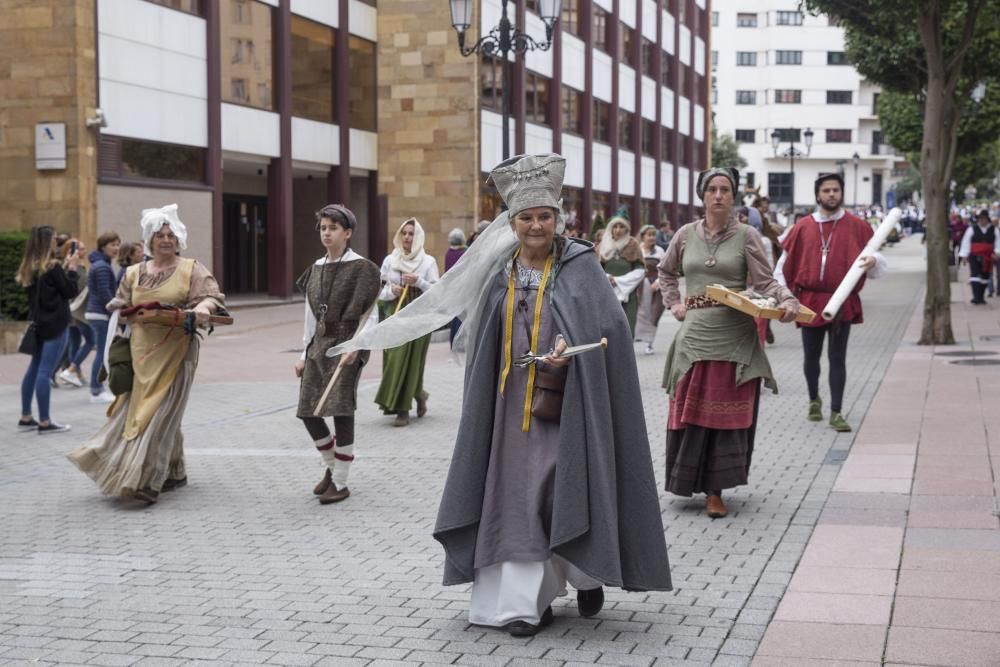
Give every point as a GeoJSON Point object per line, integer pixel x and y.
{"type": "Point", "coordinates": [459, 293]}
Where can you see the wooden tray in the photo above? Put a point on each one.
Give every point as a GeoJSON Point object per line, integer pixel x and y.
{"type": "Point", "coordinates": [737, 301]}
{"type": "Point", "coordinates": [170, 318]}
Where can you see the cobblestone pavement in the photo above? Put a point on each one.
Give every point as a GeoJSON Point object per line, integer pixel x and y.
{"type": "Point", "coordinates": [243, 566]}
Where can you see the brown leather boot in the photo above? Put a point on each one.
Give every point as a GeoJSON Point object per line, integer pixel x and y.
{"type": "Point", "coordinates": [715, 507]}
{"type": "Point", "coordinates": [324, 484]}
{"type": "Point", "coordinates": [422, 403]}
{"type": "Point", "coordinates": [334, 495]}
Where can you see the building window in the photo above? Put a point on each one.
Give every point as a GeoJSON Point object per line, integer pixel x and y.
{"type": "Point", "coordinates": [363, 85]}
{"type": "Point", "coordinates": [715, 19]}
{"type": "Point", "coordinates": [245, 32]}
{"type": "Point", "coordinates": [839, 96]}
{"type": "Point", "coordinates": [312, 70]}
{"type": "Point", "coordinates": [667, 142]}
{"type": "Point", "coordinates": [715, 96]}
{"type": "Point", "coordinates": [789, 18]}
{"type": "Point", "coordinates": [875, 104]}
{"type": "Point", "coordinates": [744, 20]}
{"type": "Point", "coordinates": [836, 58]}
{"type": "Point", "coordinates": [787, 57]}
{"type": "Point", "coordinates": [627, 45]}
{"type": "Point", "coordinates": [682, 152]}
{"type": "Point", "coordinates": [876, 142]}
{"type": "Point", "coordinates": [649, 136]}
{"type": "Point", "coordinates": [838, 136]}
{"type": "Point", "coordinates": [187, 6]}
{"type": "Point", "coordinates": [625, 120]}
{"type": "Point", "coordinates": [746, 97]}
{"type": "Point", "coordinates": [602, 119]}
{"type": "Point", "coordinates": [570, 102]}
{"type": "Point", "coordinates": [666, 61]}
{"type": "Point", "coordinates": [536, 98]}
{"type": "Point", "coordinates": [779, 187]}
{"type": "Point", "coordinates": [569, 16]}
{"type": "Point", "coordinates": [649, 50]}
{"type": "Point", "coordinates": [789, 135]}
{"type": "Point", "coordinates": [749, 178]}
{"type": "Point", "coordinates": [600, 202]}
{"type": "Point", "coordinates": [745, 136]}
{"type": "Point", "coordinates": [491, 83]}
{"type": "Point", "coordinates": [119, 157]}
{"type": "Point", "coordinates": [715, 58]}
{"type": "Point", "coordinates": [745, 58]}
{"type": "Point", "coordinates": [599, 33]}
{"type": "Point", "coordinates": [784, 96]}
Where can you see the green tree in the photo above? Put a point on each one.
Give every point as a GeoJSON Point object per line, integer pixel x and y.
{"type": "Point", "coordinates": [937, 51]}
{"type": "Point", "coordinates": [726, 152]}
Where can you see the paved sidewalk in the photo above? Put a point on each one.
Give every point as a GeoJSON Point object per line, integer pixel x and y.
{"type": "Point", "coordinates": [904, 565]}
{"type": "Point", "coordinates": [244, 567]}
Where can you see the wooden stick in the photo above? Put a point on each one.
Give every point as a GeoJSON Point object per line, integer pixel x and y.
{"type": "Point", "coordinates": [340, 365]}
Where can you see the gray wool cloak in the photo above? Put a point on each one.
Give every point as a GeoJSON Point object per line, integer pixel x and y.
{"type": "Point", "coordinates": [605, 510]}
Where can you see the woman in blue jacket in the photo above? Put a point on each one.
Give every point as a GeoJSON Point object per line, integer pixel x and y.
{"type": "Point", "coordinates": [101, 286]}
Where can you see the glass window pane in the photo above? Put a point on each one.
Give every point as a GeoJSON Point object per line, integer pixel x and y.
{"type": "Point", "coordinates": [188, 6]}
{"type": "Point", "coordinates": [364, 91]}
{"type": "Point", "coordinates": [147, 159]}
{"type": "Point", "coordinates": [247, 53]}
{"type": "Point", "coordinates": [312, 70]}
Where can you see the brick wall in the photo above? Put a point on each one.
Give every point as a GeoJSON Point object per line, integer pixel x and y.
{"type": "Point", "coordinates": [428, 121]}
{"type": "Point", "coordinates": [47, 74]}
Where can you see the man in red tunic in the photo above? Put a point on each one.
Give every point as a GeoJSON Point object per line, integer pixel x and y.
{"type": "Point", "coordinates": [818, 252]}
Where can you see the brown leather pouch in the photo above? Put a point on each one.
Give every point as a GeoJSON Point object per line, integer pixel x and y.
{"type": "Point", "coordinates": [547, 398]}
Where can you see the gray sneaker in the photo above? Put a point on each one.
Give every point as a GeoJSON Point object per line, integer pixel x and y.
{"type": "Point", "coordinates": [53, 427]}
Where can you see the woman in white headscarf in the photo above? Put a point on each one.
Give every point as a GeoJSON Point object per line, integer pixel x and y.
{"type": "Point", "coordinates": [407, 273]}
{"type": "Point", "coordinates": [139, 451]}
{"type": "Point", "coordinates": [621, 258]}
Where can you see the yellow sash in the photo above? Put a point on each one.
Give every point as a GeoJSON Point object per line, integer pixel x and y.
{"type": "Point", "coordinates": [157, 350]}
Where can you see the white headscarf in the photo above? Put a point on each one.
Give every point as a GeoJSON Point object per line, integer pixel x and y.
{"type": "Point", "coordinates": [610, 247]}
{"type": "Point", "coordinates": [408, 262]}
{"type": "Point", "coordinates": [153, 220]}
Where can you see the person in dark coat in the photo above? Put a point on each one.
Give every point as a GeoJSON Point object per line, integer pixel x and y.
{"type": "Point", "coordinates": [101, 287]}
{"type": "Point", "coordinates": [51, 285]}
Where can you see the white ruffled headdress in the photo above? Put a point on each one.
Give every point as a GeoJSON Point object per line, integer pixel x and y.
{"type": "Point", "coordinates": [153, 220]}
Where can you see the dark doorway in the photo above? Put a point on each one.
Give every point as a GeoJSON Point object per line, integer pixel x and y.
{"type": "Point", "coordinates": [877, 188]}
{"type": "Point", "coordinates": [244, 224]}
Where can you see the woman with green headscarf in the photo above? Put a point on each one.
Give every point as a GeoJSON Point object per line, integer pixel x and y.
{"type": "Point", "coordinates": [621, 258]}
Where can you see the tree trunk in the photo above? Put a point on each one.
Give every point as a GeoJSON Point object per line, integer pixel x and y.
{"type": "Point", "coordinates": [939, 140]}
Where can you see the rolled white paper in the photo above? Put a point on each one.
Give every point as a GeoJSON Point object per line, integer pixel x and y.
{"type": "Point", "coordinates": [856, 271]}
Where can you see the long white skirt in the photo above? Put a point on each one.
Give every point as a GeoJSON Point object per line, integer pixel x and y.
{"type": "Point", "coordinates": [521, 591]}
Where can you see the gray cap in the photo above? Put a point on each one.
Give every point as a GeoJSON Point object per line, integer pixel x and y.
{"type": "Point", "coordinates": [529, 181]}
{"type": "Point", "coordinates": [704, 177]}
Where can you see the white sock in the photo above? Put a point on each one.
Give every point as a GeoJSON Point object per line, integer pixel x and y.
{"type": "Point", "coordinates": [343, 456]}
{"type": "Point", "coordinates": [326, 447]}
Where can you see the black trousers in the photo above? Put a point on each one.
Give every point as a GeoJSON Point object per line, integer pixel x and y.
{"type": "Point", "coordinates": [836, 353]}
{"type": "Point", "coordinates": [318, 430]}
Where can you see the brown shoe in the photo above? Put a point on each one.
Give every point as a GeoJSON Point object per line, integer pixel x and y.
{"type": "Point", "coordinates": [402, 418]}
{"type": "Point", "coordinates": [334, 495]}
{"type": "Point", "coordinates": [715, 507]}
{"type": "Point", "coordinates": [422, 403]}
{"type": "Point", "coordinates": [324, 484]}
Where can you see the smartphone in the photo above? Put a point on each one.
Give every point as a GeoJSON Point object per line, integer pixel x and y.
{"type": "Point", "coordinates": [72, 247]}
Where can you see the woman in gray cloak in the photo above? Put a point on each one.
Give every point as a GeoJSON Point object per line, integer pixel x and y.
{"type": "Point", "coordinates": [537, 496]}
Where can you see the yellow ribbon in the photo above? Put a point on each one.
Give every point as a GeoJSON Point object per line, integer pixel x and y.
{"type": "Point", "coordinates": [401, 299]}
{"type": "Point", "coordinates": [509, 334]}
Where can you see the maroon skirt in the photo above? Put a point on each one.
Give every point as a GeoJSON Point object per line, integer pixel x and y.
{"type": "Point", "coordinates": [710, 431]}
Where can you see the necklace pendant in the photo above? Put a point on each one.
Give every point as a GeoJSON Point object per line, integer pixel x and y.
{"type": "Point", "coordinates": [822, 264]}
{"type": "Point", "coordinates": [710, 262]}
{"type": "Point", "coordinates": [320, 328]}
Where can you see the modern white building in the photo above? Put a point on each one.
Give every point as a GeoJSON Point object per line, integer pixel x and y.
{"type": "Point", "coordinates": [777, 70]}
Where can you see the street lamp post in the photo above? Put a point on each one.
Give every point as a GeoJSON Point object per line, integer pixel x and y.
{"type": "Point", "coordinates": [856, 161]}
{"type": "Point", "coordinates": [790, 153]}
{"type": "Point", "coordinates": [503, 40]}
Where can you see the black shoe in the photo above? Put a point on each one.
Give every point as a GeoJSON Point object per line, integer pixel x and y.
{"type": "Point", "coordinates": [53, 427]}
{"type": "Point", "coordinates": [589, 603]}
{"type": "Point", "coordinates": [525, 629]}
{"type": "Point", "coordinates": [146, 495]}
{"type": "Point", "coordinates": [171, 484]}
{"type": "Point", "coordinates": [25, 426]}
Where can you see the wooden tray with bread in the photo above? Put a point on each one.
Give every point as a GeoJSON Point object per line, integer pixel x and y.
{"type": "Point", "coordinates": [745, 304]}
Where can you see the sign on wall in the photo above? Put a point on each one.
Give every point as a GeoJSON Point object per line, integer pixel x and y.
{"type": "Point", "coordinates": [50, 146]}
